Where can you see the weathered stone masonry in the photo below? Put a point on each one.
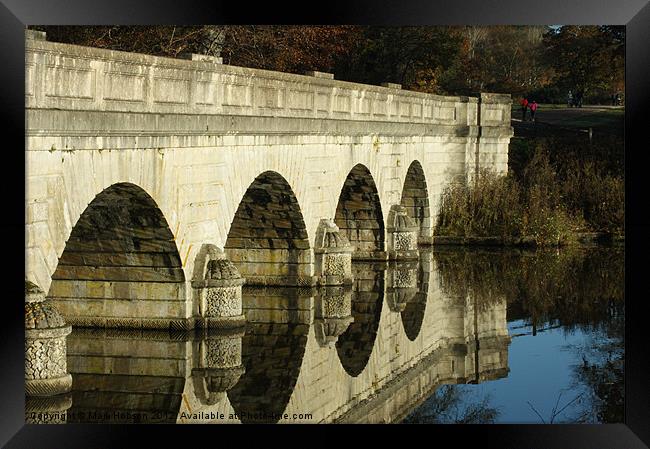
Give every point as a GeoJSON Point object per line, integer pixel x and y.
{"type": "Point", "coordinates": [135, 162]}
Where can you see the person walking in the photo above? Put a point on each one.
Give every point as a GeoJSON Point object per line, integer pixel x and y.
{"type": "Point", "coordinates": [524, 106]}
{"type": "Point", "coordinates": [569, 99]}
{"type": "Point", "coordinates": [578, 101]}
{"type": "Point", "coordinates": [533, 109]}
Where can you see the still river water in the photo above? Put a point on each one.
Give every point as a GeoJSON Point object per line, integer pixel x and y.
{"type": "Point", "coordinates": [462, 335]}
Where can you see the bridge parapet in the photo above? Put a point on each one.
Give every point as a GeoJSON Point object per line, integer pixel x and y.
{"type": "Point", "coordinates": [65, 76]}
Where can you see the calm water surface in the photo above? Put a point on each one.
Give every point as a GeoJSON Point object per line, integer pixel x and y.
{"type": "Point", "coordinates": [458, 336]}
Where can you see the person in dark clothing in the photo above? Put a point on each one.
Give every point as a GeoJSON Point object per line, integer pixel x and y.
{"type": "Point", "coordinates": [533, 109]}
{"type": "Point", "coordinates": [524, 105]}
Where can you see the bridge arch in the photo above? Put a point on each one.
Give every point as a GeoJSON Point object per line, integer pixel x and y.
{"type": "Point", "coordinates": [359, 214]}
{"type": "Point", "coordinates": [121, 259]}
{"type": "Point", "coordinates": [415, 198]}
{"type": "Point", "coordinates": [268, 239]}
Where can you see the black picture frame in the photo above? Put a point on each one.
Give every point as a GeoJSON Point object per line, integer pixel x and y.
{"type": "Point", "coordinates": [635, 14]}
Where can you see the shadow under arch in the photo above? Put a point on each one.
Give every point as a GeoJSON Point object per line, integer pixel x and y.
{"type": "Point", "coordinates": [413, 314]}
{"type": "Point", "coordinates": [277, 328]}
{"type": "Point", "coordinates": [121, 248]}
{"type": "Point", "coordinates": [356, 344]}
{"type": "Point", "coordinates": [268, 239]}
{"type": "Point", "coordinates": [359, 214]}
{"type": "Point", "coordinates": [415, 199]}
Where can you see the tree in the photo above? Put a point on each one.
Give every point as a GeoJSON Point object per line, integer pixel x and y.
{"type": "Point", "coordinates": [157, 40]}
{"type": "Point", "coordinates": [293, 49]}
{"type": "Point", "coordinates": [414, 57]}
{"type": "Point", "coordinates": [586, 58]}
{"type": "Point", "coordinates": [450, 404]}
{"type": "Point", "coordinates": [437, 59]}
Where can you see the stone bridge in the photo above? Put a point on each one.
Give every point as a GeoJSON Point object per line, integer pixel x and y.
{"type": "Point", "coordinates": [157, 186]}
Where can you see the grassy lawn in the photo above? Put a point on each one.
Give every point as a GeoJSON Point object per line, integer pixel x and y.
{"type": "Point", "coordinates": [600, 120]}
{"type": "Point", "coordinates": [609, 120]}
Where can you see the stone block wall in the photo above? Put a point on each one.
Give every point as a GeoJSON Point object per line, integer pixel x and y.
{"type": "Point", "coordinates": [359, 215]}
{"type": "Point", "coordinates": [267, 238]}
{"type": "Point", "coordinates": [120, 262]}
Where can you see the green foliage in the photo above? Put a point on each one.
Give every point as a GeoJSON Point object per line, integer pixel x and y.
{"type": "Point", "coordinates": [586, 58]}
{"type": "Point", "coordinates": [556, 188]}
{"type": "Point", "coordinates": [599, 197]}
{"type": "Point", "coordinates": [588, 176]}
{"type": "Point", "coordinates": [502, 206]}
{"type": "Point", "coordinates": [489, 207]}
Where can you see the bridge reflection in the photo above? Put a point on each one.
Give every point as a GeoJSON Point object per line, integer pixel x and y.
{"type": "Point", "coordinates": [337, 354]}
{"type": "Point", "coordinates": [320, 352]}
{"type": "Point", "coordinates": [356, 344]}
{"type": "Point", "coordinates": [278, 323]}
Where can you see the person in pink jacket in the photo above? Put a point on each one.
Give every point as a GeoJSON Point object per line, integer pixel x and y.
{"type": "Point", "coordinates": [533, 108]}
{"type": "Point", "coordinates": [524, 105]}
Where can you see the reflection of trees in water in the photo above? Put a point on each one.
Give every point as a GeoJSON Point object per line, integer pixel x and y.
{"type": "Point", "coordinates": [580, 289]}
{"type": "Point", "coordinates": [452, 405]}
{"type": "Point", "coordinates": [355, 345]}
{"type": "Point", "coordinates": [601, 374]}
{"type": "Point", "coordinates": [574, 286]}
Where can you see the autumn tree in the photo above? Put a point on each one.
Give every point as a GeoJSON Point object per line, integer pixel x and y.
{"type": "Point", "coordinates": [293, 49]}
{"type": "Point", "coordinates": [519, 60]}
{"type": "Point", "coordinates": [158, 40]}
{"type": "Point", "coordinates": [505, 59]}
{"type": "Point", "coordinates": [586, 58]}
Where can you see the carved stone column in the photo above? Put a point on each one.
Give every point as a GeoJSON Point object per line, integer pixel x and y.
{"type": "Point", "coordinates": [47, 380]}
{"type": "Point", "coordinates": [402, 234]}
{"type": "Point", "coordinates": [47, 410]}
{"type": "Point", "coordinates": [333, 254]}
{"type": "Point", "coordinates": [45, 349]}
{"type": "Point", "coordinates": [218, 285]}
{"type": "Point", "coordinates": [333, 314]}
{"type": "Point", "coordinates": [402, 284]}
{"type": "Point", "coordinates": [219, 364]}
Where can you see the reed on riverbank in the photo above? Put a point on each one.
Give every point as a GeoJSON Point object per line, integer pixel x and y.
{"type": "Point", "coordinates": [545, 202]}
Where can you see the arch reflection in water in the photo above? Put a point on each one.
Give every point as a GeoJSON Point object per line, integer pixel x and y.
{"type": "Point", "coordinates": [278, 322]}
{"type": "Point", "coordinates": [132, 376]}
{"type": "Point", "coordinates": [413, 313]}
{"type": "Point", "coordinates": [355, 345]}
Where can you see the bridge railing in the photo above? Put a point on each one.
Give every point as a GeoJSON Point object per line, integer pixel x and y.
{"type": "Point", "coordinates": [65, 76]}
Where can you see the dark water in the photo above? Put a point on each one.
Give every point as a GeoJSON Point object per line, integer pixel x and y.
{"type": "Point", "coordinates": [566, 320]}
{"type": "Point", "coordinates": [480, 336]}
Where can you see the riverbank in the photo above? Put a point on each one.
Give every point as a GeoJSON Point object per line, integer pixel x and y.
{"type": "Point", "coordinates": [581, 238]}
{"type": "Point", "coordinates": [562, 188]}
